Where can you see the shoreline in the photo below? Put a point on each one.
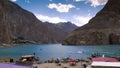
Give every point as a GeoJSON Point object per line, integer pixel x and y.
{"type": "Point", "coordinates": [54, 63]}
{"type": "Point", "coordinates": [27, 44]}
{"type": "Point", "coordinates": [60, 65]}
{"type": "Point", "coordinates": [10, 45]}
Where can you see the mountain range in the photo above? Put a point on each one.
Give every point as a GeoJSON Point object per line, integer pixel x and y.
{"type": "Point", "coordinates": [103, 29]}
{"type": "Point", "coordinates": [18, 25]}
{"type": "Point", "coordinates": [67, 27]}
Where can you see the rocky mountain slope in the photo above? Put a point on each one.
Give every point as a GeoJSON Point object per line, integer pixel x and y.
{"type": "Point", "coordinates": [17, 24]}
{"type": "Point", "coordinates": [103, 29]}
{"type": "Point", "coordinates": [67, 27]}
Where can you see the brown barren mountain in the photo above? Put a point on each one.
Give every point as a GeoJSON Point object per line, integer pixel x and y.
{"type": "Point", "coordinates": [67, 27]}
{"type": "Point", "coordinates": [19, 25]}
{"type": "Point", "coordinates": [103, 29]}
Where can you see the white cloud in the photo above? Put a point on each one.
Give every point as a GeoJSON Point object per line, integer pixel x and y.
{"type": "Point", "coordinates": [13, 0]}
{"type": "Point", "coordinates": [61, 7]}
{"type": "Point", "coordinates": [96, 3]}
{"type": "Point", "coordinates": [77, 20]}
{"type": "Point", "coordinates": [49, 19]}
{"type": "Point", "coordinates": [27, 1]}
{"type": "Point", "coordinates": [81, 20]}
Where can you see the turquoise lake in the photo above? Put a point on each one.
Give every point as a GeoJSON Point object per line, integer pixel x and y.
{"type": "Point", "coordinates": [48, 51]}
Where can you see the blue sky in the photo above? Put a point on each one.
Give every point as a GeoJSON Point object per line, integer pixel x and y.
{"type": "Point", "coordinates": [78, 12]}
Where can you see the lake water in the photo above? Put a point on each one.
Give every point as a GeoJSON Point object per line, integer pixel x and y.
{"type": "Point", "coordinates": [47, 51]}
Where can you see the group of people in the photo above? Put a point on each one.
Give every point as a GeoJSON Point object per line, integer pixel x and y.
{"type": "Point", "coordinates": [72, 61]}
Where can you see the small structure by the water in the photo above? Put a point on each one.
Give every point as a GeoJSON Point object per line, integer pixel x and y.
{"type": "Point", "coordinates": [103, 62]}
{"type": "Point", "coordinates": [104, 59]}
{"type": "Point", "coordinates": [26, 60]}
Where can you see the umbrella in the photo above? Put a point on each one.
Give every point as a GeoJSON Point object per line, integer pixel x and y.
{"type": "Point", "coordinates": [72, 60]}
